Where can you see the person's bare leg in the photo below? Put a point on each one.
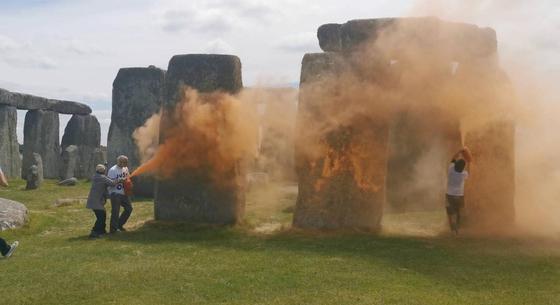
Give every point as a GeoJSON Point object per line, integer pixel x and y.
{"type": "Point", "coordinates": [451, 222]}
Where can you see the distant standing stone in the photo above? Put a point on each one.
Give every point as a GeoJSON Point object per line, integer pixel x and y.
{"type": "Point", "coordinates": [41, 135]}
{"type": "Point", "coordinates": [33, 181]}
{"type": "Point", "coordinates": [69, 162]}
{"type": "Point", "coordinates": [9, 148]}
{"type": "Point", "coordinates": [84, 132]}
{"type": "Point", "coordinates": [34, 174]}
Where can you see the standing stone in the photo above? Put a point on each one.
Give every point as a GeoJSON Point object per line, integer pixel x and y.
{"type": "Point", "coordinates": [193, 195]}
{"type": "Point", "coordinates": [341, 168]}
{"type": "Point", "coordinates": [137, 96]}
{"type": "Point", "coordinates": [41, 135]}
{"type": "Point", "coordinates": [84, 132]}
{"type": "Point", "coordinates": [490, 189]}
{"type": "Point", "coordinates": [34, 174]}
{"type": "Point", "coordinates": [69, 162]}
{"type": "Point", "coordinates": [99, 156]}
{"type": "Point", "coordinates": [10, 160]}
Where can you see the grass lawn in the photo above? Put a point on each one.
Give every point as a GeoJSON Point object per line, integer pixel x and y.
{"type": "Point", "coordinates": [261, 261]}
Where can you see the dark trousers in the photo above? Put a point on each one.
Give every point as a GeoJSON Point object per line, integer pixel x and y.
{"type": "Point", "coordinates": [4, 247]}
{"type": "Point", "coordinates": [118, 200]}
{"type": "Point", "coordinates": [100, 222]}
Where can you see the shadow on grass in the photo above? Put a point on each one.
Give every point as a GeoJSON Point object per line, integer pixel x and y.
{"type": "Point", "coordinates": [447, 259]}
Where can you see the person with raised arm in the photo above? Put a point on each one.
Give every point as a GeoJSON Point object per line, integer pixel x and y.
{"type": "Point", "coordinates": [457, 173]}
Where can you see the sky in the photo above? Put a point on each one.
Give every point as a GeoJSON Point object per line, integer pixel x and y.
{"type": "Point", "coordinates": [73, 49]}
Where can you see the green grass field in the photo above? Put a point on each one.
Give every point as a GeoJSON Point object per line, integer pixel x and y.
{"type": "Point", "coordinates": [262, 261]}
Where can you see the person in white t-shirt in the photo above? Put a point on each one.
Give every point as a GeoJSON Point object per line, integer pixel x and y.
{"type": "Point", "coordinates": [118, 196]}
{"type": "Point", "coordinates": [456, 175]}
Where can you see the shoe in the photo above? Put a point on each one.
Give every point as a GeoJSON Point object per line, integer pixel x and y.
{"type": "Point", "coordinates": [93, 235]}
{"type": "Point", "coordinates": [13, 247]}
{"type": "Point", "coordinates": [113, 231]}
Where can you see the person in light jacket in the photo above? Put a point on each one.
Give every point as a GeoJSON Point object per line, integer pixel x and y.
{"type": "Point", "coordinates": [97, 197]}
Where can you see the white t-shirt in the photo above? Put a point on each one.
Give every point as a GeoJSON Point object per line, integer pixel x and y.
{"type": "Point", "coordinates": [456, 181]}
{"type": "Point", "coordinates": [116, 172]}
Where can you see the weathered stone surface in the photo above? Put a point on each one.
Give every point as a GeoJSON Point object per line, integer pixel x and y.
{"type": "Point", "coordinates": [33, 181]}
{"type": "Point", "coordinates": [31, 102]}
{"type": "Point", "coordinates": [206, 73]}
{"type": "Point", "coordinates": [12, 214]}
{"type": "Point", "coordinates": [490, 190]}
{"type": "Point", "coordinates": [99, 156]}
{"type": "Point", "coordinates": [84, 132]}
{"type": "Point", "coordinates": [69, 162]}
{"type": "Point", "coordinates": [41, 135]}
{"type": "Point", "coordinates": [194, 196]}
{"type": "Point", "coordinates": [34, 174]}
{"type": "Point", "coordinates": [137, 94]}
{"type": "Point", "coordinates": [68, 182]}
{"type": "Point", "coordinates": [10, 160]}
{"type": "Point", "coordinates": [454, 40]}
{"type": "Point", "coordinates": [38, 161]}
{"type": "Point", "coordinates": [341, 170]}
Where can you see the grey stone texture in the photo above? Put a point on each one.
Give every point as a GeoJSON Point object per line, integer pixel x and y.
{"type": "Point", "coordinates": [457, 41]}
{"type": "Point", "coordinates": [12, 214]}
{"type": "Point", "coordinates": [99, 156]}
{"type": "Point", "coordinates": [68, 182]}
{"type": "Point", "coordinates": [69, 162]}
{"type": "Point", "coordinates": [31, 102]}
{"type": "Point", "coordinates": [84, 132]}
{"type": "Point", "coordinates": [34, 174]}
{"type": "Point", "coordinates": [10, 160]}
{"type": "Point", "coordinates": [41, 135]}
{"type": "Point", "coordinates": [342, 176]}
{"type": "Point", "coordinates": [194, 196]}
{"type": "Point", "coordinates": [33, 181]}
{"type": "Point", "coordinates": [137, 94]}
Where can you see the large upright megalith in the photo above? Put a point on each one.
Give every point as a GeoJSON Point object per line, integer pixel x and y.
{"type": "Point", "coordinates": [83, 131]}
{"type": "Point", "coordinates": [137, 94]}
{"type": "Point", "coordinates": [341, 164]}
{"type": "Point", "coordinates": [41, 136]}
{"type": "Point", "coordinates": [10, 161]}
{"type": "Point", "coordinates": [194, 195]}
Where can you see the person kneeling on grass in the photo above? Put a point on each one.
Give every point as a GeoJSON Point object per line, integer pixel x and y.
{"type": "Point", "coordinates": [456, 176]}
{"type": "Point", "coordinates": [5, 249]}
{"type": "Point", "coordinates": [97, 197]}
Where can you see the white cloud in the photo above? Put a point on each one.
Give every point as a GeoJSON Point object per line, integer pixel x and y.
{"type": "Point", "coordinates": [82, 48]}
{"type": "Point", "coordinates": [8, 44]}
{"type": "Point", "coordinates": [23, 55]}
{"type": "Point", "coordinates": [218, 46]}
{"type": "Point", "coordinates": [198, 21]}
{"type": "Point", "coordinates": [300, 42]}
